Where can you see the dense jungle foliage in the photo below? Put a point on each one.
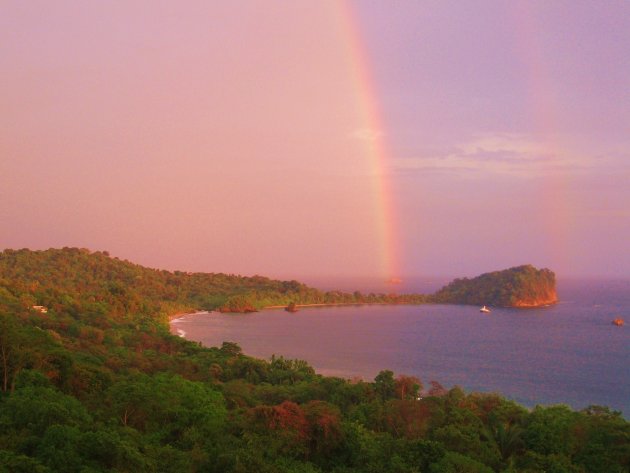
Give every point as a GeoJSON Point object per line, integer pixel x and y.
{"type": "Point", "coordinates": [97, 383]}
{"type": "Point", "coordinates": [73, 276]}
{"type": "Point", "coordinates": [521, 286]}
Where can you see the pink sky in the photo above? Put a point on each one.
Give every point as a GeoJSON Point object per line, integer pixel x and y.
{"type": "Point", "coordinates": [233, 136]}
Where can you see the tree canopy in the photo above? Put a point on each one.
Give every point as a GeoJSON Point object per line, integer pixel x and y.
{"type": "Point", "coordinates": [521, 286]}
{"type": "Point", "coordinates": [97, 383]}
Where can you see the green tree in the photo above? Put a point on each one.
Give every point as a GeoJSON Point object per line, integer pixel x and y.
{"type": "Point", "coordinates": [509, 439]}
{"type": "Point", "coordinates": [174, 409]}
{"type": "Point", "coordinates": [18, 349]}
{"type": "Point", "coordinates": [231, 349]}
{"type": "Point", "coordinates": [455, 463]}
{"type": "Point", "coordinates": [34, 409]}
{"type": "Point", "coordinates": [548, 430]}
{"type": "Point", "coordinates": [11, 462]}
{"type": "Point", "coordinates": [385, 385]}
{"type": "Point", "coordinates": [59, 449]}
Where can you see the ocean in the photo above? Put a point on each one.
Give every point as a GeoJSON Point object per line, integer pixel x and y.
{"type": "Point", "coordinates": [568, 353]}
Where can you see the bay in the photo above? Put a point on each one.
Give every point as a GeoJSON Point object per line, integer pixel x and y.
{"type": "Point", "coordinates": [566, 353]}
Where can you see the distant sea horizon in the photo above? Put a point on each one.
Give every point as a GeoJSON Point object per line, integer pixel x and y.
{"type": "Point", "coordinates": [367, 284]}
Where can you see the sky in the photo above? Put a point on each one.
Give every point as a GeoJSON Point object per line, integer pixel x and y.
{"type": "Point", "coordinates": [320, 138]}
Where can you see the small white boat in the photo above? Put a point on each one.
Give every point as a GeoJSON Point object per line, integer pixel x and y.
{"type": "Point", "coordinates": [485, 310]}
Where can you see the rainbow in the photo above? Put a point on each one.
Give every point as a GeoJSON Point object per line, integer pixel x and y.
{"type": "Point", "coordinates": [545, 114]}
{"type": "Point", "coordinates": [375, 141]}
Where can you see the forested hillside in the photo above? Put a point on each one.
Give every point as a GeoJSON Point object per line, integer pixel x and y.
{"type": "Point", "coordinates": [73, 276]}
{"type": "Point", "coordinates": [92, 381]}
{"type": "Point", "coordinates": [521, 286]}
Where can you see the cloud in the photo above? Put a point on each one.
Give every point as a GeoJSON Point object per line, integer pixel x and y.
{"type": "Point", "coordinates": [366, 134]}
{"type": "Point", "coordinates": [502, 142]}
{"type": "Point", "coordinates": [497, 153]}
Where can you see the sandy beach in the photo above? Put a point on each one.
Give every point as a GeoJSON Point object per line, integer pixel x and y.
{"type": "Point", "coordinates": [178, 318]}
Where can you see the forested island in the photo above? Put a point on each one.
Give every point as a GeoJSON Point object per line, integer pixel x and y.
{"type": "Point", "coordinates": [521, 286]}
{"type": "Point", "coordinates": [91, 380]}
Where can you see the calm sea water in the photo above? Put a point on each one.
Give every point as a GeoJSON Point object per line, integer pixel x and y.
{"type": "Point", "coordinates": [567, 353]}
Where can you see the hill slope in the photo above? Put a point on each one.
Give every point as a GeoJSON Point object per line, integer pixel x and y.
{"type": "Point", "coordinates": [58, 276]}
{"type": "Point", "coordinates": [97, 383]}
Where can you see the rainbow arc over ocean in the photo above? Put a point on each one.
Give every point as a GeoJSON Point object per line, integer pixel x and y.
{"type": "Point", "coordinates": [376, 146]}
{"type": "Point", "coordinates": [544, 119]}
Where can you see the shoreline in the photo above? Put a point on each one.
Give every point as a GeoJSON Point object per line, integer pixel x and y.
{"type": "Point", "coordinates": [560, 313]}
{"type": "Point", "coordinates": [176, 318]}
{"type": "Point", "coordinates": [333, 304]}
{"type": "Point", "coordinates": [180, 315]}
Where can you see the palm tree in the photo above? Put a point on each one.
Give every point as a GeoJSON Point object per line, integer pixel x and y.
{"type": "Point", "coordinates": [509, 440]}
